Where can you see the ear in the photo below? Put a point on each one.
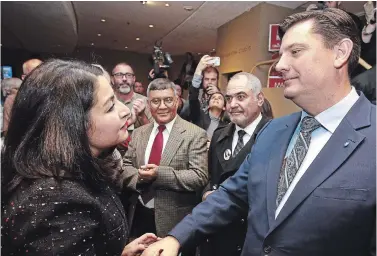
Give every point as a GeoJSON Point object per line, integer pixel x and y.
{"type": "Point", "coordinates": [342, 52]}
{"type": "Point", "coordinates": [260, 99]}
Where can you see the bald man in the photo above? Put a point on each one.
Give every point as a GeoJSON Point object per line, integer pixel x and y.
{"type": "Point", "coordinates": [29, 66]}
{"type": "Point", "coordinates": [10, 88]}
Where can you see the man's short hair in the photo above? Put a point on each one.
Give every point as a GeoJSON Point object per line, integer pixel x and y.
{"type": "Point", "coordinates": [253, 82]}
{"type": "Point", "coordinates": [120, 64]}
{"type": "Point", "coordinates": [210, 69]}
{"type": "Point", "coordinates": [161, 84]}
{"type": "Point", "coordinates": [333, 25]}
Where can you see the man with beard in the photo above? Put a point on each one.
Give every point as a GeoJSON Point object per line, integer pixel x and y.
{"type": "Point", "coordinates": [123, 81]}
{"type": "Point", "coordinates": [229, 147]}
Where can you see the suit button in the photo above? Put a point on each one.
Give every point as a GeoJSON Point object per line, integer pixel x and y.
{"type": "Point", "coordinates": [267, 249]}
{"type": "Point", "coordinates": [239, 248]}
{"type": "Point", "coordinates": [242, 221]}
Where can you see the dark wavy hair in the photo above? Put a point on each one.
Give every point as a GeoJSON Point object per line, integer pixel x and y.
{"type": "Point", "coordinates": [47, 135]}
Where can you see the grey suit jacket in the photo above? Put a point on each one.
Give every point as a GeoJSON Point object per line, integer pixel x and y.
{"type": "Point", "coordinates": [182, 174]}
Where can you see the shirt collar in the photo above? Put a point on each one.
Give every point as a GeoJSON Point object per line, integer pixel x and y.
{"type": "Point", "coordinates": [331, 117]}
{"type": "Point", "coordinates": [251, 127]}
{"type": "Point", "coordinates": [169, 126]}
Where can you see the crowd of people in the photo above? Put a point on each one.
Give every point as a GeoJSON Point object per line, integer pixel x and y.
{"type": "Point", "coordinates": [94, 163]}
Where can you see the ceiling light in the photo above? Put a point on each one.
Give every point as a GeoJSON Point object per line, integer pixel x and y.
{"type": "Point", "coordinates": [213, 49]}
{"type": "Point", "coordinates": [188, 8]}
{"type": "Point", "coordinates": [137, 39]}
{"type": "Point", "coordinates": [99, 35]}
{"type": "Point", "coordinates": [167, 5]}
{"type": "Point", "coordinates": [151, 26]}
{"type": "Point", "coordinates": [125, 47]}
{"type": "Point", "coordinates": [92, 43]}
{"type": "Point", "coordinates": [103, 20]}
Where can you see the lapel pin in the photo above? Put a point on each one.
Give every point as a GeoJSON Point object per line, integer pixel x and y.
{"type": "Point", "coordinates": [346, 144]}
{"type": "Point", "coordinates": [227, 154]}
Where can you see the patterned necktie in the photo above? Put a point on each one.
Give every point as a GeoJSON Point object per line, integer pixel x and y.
{"type": "Point", "coordinates": [158, 143]}
{"type": "Point", "coordinates": [239, 145]}
{"type": "Point", "coordinates": [292, 163]}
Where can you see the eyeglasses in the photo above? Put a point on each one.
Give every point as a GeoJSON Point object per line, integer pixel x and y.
{"type": "Point", "coordinates": [156, 102]}
{"type": "Point", "coordinates": [121, 75]}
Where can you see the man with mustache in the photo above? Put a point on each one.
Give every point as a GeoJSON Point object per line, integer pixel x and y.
{"type": "Point", "coordinates": [123, 80]}
{"type": "Point", "coordinates": [167, 163]}
{"type": "Point", "coordinates": [229, 147]}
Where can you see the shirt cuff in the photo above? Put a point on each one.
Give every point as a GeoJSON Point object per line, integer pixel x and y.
{"type": "Point", "coordinates": [197, 80]}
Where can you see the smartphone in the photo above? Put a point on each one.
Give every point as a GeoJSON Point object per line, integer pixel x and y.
{"type": "Point", "coordinates": [215, 61]}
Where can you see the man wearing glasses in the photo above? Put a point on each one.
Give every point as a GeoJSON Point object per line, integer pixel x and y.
{"type": "Point", "coordinates": [167, 163]}
{"type": "Point", "coordinates": [123, 81]}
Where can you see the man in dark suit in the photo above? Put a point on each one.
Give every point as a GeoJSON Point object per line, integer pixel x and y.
{"type": "Point", "coordinates": [309, 183]}
{"type": "Point", "coordinates": [228, 150]}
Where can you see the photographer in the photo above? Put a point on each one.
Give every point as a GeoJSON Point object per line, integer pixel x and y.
{"type": "Point", "coordinates": [206, 79]}
{"type": "Point", "coordinates": [161, 63]}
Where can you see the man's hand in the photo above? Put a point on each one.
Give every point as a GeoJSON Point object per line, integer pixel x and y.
{"type": "Point", "coordinates": [207, 194]}
{"type": "Point", "coordinates": [138, 245]}
{"type": "Point", "coordinates": [139, 106]}
{"type": "Point", "coordinates": [212, 89]}
{"type": "Point", "coordinates": [168, 246]}
{"type": "Point", "coordinates": [151, 74]}
{"type": "Point", "coordinates": [203, 63]}
{"type": "Point", "coordinates": [148, 173]}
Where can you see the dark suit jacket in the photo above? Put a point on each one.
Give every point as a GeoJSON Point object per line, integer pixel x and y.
{"type": "Point", "coordinates": [220, 168]}
{"type": "Point", "coordinates": [332, 210]}
{"type": "Point", "coordinates": [46, 217]}
{"type": "Point", "coordinates": [182, 174]}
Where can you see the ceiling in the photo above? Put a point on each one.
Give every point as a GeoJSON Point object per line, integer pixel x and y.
{"type": "Point", "coordinates": [60, 27]}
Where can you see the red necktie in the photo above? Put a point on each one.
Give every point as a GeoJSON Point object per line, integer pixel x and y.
{"type": "Point", "coordinates": [155, 156]}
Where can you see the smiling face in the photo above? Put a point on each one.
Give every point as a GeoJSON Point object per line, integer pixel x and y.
{"type": "Point", "coordinates": [306, 64]}
{"type": "Point", "coordinates": [163, 105]}
{"type": "Point", "coordinates": [108, 119]}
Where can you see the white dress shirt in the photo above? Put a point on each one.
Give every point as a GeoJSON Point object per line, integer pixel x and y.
{"type": "Point", "coordinates": [330, 120]}
{"type": "Point", "coordinates": [165, 134]}
{"type": "Point", "coordinates": [249, 132]}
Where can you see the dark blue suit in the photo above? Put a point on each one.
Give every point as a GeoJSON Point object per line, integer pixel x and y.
{"type": "Point", "coordinates": [332, 210]}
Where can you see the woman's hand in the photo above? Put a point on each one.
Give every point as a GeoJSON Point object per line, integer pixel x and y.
{"type": "Point", "coordinates": [138, 245]}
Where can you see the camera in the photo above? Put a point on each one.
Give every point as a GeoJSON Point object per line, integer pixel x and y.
{"type": "Point", "coordinates": [161, 60]}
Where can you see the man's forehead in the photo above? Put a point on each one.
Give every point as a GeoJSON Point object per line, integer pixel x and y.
{"type": "Point", "coordinates": [299, 33]}
{"type": "Point", "coordinates": [161, 93]}
{"type": "Point", "coordinates": [238, 85]}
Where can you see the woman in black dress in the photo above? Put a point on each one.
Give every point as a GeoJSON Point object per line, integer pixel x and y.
{"type": "Point", "coordinates": [59, 173]}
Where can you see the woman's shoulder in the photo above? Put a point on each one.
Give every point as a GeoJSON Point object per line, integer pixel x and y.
{"type": "Point", "coordinates": [50, 190]}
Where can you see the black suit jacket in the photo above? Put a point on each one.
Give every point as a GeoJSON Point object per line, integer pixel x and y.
{"type": "Point", "coordinates": [228, 241]}
{"type": "Point", "coordinates": [47, 217]}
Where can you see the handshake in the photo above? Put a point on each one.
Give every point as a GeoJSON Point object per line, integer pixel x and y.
{"type": "Point", "coordinates": [151, 245]}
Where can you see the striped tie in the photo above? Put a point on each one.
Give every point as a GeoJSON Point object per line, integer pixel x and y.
{"type": "Point", "coordinates": [292, 163]}
{"type": "Point", "coordinates": [239, 145]}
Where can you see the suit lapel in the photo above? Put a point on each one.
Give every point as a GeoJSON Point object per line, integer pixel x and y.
{"type": "Point", "coordinates": [144, 138]}
{"type": "Point", "coordinates": [340, 146]}
{"type": "Point", "coordinates": [224, 147]}
{"type": "Point", "coordinates": [174, 142]}
{"type": "Point", "coordinates": [285, 132]}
